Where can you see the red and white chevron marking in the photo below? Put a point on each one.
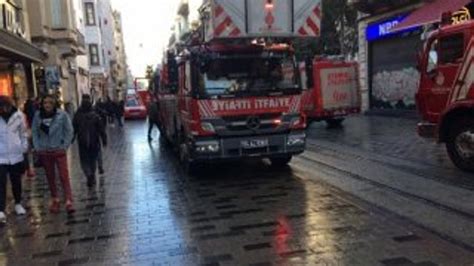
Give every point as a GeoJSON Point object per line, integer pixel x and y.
{"type": "Point", "coordinates": [465, 76]}
{"type": "Point", "coordinates": [224, 26]}
{"type": "Point", "coordinates": [312, 25]}
{"type": "Point", "coordinates": [205, 109]}
{"type": "Point", "coordinates": [295, 104]}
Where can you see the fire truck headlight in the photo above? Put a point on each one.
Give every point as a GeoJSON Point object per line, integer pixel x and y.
{"type": "Point", "coordinates": [206, 126]}
{"type": "Point", "coordinates": [207, 147]}
{"type": "Point", "coordinates": [296, 140]}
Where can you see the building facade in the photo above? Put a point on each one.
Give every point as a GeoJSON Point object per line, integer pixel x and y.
{"type": "Point", "coordinates": [17, 54]}
{"type": "Point", "coordinates": [109, 55]}
{"type": "Point", "coordinates": [82, 61]}
{"type": "Point", "coordinates": [101, 42]}
{"type": "Point", "coordinates": [120, 69]}
{"type": "Point", "coordinates": [55, 31]}
{"type": "Point", "coordinates": [93, 34]}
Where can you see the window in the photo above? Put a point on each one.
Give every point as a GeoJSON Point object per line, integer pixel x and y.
{"type": "Point", "coordinates": [451, 49]}
{"type": "Point", "coordinates": [432, 57]}
{"type": "Point", "coordinates": [188, 79]}
{"type": "Point", "coordinates": [90, 14]}
{"type": "Point", "coordinates": [94, 54]}
{"type": "Point", "coordinates": [56, 14]}
{"type": "Point", "coordinates": [250, 75]}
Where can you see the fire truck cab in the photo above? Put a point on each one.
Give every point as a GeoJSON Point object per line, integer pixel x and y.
{"type": "Point", "coordinates": [445, 97]}
{"type": "Point", "coordinates": [232, 102]}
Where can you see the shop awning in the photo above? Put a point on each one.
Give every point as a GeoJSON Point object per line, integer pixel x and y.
{"type": "Point", "coordinates": [431, 12]}
{"type": "Point", "coordinates": [18, 49]}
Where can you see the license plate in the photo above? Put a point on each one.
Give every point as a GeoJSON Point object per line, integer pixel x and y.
{"type": "Point", "coordinates": [254, 143]}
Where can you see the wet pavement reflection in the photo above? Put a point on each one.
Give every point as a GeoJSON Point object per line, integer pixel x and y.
{"type": "Point", "coordinates": [146, 211]}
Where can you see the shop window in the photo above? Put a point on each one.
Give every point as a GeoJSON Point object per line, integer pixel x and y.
{"type": "Point", "coordinates": [94, 54]}
{"type": "Point", "coordinates": [451, 49]}
{"type": "Point", "coordinates": [5, 84]}
{"type": "Point", "coordinates": [90, 14]}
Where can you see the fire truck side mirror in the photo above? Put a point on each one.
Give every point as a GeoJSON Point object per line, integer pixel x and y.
{"type": "Point", "coordinates": [446, 18]}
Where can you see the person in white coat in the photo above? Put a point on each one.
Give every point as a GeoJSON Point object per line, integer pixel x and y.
{"type": "Point", "coordinates": [13, 144]}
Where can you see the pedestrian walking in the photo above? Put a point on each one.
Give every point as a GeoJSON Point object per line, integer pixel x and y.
{"type": "Point", "coordinates": [153, 117]}
{"type": "Point", "coordinates": [110, 107]}
{"type": "Point", "coordinates": [29, 109]}
{"type": "Point", "coordinates": [90, 133]}
{"type": "Point", "coordinates": [101, 109]}
{"type": "Point", "coordinates": [13, 143]}
{"type": "Point", "coordinates": [120, 110]}
{"type": "Point", "coordinates": [52, 135]}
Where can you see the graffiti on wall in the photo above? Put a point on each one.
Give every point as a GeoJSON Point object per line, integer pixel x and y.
{"type": "Point", "coordinates": [395, 89]}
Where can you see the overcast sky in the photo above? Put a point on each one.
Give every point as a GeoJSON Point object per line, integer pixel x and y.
{"type": "Point", "coordinates": [147, 25]}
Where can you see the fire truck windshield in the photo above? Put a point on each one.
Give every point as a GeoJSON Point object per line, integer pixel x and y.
{"type": "Point", "coordinates": [248, 76]}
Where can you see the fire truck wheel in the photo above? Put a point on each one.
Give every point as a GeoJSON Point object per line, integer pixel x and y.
{"type": "Point", "coordinates": [460, 144]}
{"type": "Point", "coordinates": [164, 141]}
{"type": "Point", "coordinates": [188, 166]}
{"type": "Point", "coordinates": [334, 122]}
{"type": "Point", "coordinates": [281, 161]}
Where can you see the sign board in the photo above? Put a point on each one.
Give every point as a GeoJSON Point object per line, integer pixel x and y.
{"type": "Point", "coordinates": [385, 28]}
{"type": "Point", "coordinates": [339, 87]}
{"type": "Point", "coordinates": [462, 15]}
{"type": "Point", "coordinates": [52, 76]}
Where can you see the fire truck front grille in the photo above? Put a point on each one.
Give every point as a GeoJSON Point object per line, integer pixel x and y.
{"type": "Point", "coordinates": [258, 122]}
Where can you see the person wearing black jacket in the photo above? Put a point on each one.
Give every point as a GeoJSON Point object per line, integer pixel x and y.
{"type": "Point", "coordinates": [90, 133]}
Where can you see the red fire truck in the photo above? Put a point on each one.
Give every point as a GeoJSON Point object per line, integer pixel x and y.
{"type": "Point", "coordinates": [142, 90]}
{"type": "Point", "coordinates": [226, 94]}
{"type": "Point", "coordinates": [446, 94]}
{"type": "Point", "coordinates": [330, 90]}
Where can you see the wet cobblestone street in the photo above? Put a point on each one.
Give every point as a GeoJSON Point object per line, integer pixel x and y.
{"type": "Point", "coordinates": [146, 211]}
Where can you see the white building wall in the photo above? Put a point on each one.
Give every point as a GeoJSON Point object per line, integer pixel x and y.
{"type": "Point", "coordinates": [93, 35]}
{"type": "Point", "coordinates": [108, 41]}
{"type": "Point", "coordinates": [82, 61]}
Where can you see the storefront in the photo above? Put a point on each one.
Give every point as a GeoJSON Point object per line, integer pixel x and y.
{"type": "Point", "coordinates": [393, 75]}
{"type": "Point", "coordinates": [17, 54]}
{"type": "Point", "coordinates": [389, 40]}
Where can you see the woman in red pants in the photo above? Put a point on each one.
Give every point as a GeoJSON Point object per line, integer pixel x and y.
{"type": "Point", "coordinates": [52, 135]}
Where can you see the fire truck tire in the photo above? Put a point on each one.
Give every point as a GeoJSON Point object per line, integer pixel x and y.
{"type": "Point", "coordinates": [460, 144]}
{"type": "Point", "coordinates": [163, 139]}
{"type": "Point", "coordinates": [281, 161]}
{"type": "Point", "coordinates": [334, 122]}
